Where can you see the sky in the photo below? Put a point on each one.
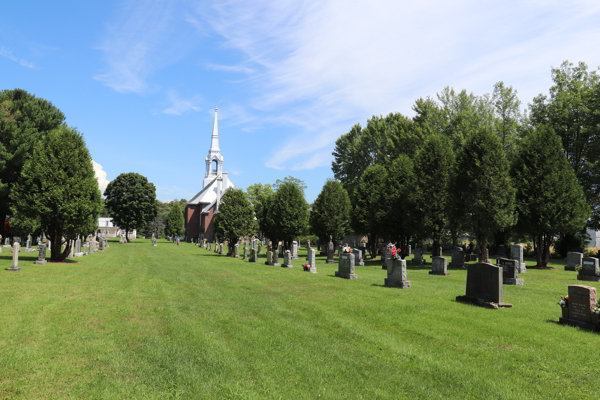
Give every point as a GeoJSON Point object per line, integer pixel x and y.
{"type": "Point", "coordinates": [141, 79]}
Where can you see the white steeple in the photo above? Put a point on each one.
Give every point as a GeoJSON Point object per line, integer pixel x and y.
{"type": "Point", "coordinates": [214, 159]}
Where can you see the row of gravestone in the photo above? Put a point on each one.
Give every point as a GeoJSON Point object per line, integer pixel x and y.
{"type": "Point", "coordinates": [92, 247]}
{"type": "Point", "coordinates": [588, 268]}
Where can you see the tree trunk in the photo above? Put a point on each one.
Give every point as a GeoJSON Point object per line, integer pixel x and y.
{"type": "Point", "coordinates": [539, 250]}
{"type": "Point", "coordinates": [483, 253]}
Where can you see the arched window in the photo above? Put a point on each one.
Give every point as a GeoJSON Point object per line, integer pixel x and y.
{"type": "Point", "coordinates": [214, 165]}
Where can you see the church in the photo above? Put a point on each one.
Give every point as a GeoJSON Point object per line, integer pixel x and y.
{"type": "Point", "coordinates": [199, 211]}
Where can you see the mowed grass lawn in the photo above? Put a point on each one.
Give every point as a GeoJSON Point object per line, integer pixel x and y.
{"type": "Point", "coordinates": [143, 322]}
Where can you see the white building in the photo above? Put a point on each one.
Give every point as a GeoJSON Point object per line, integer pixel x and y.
{"type": "Point", "coordinates": [594, 238]}
{"type": "Point", "coordinates": [107, 228]}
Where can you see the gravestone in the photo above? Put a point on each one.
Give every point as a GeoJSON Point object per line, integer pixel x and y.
{"type": "Point", "coordinates": [15, 257]}
{"type": "Point", "coordinates": [574, 260]}
{"type": "Point", "coordinates": [408, 250]}
{"type": "Point", "coordinates": [153, 241]}
{"type": "Point", "coordinates": [294, 250]}
{"type": "Point", "coordinates": [424, 248]}
{"type": "Point", "coordinates": [397, 275]}
{"type": "Point", "coordinates": [471, 257]}
{"type": "Point", "coordinates": [280, 251]}
{"type": "Point", "coordinates": [253, 244]}
{"type": "Point", "coordinates": [101, 245]}
{"type": "Point", "coordinates": [177, 241]}
{"type": "Point", "coordinates": [516, 253]}
{"type": "Point", "coordinates": [358, 257]}
{"type": "Point", "coordinates": [582, 301]}
{"type": "Point", "coordinates": [275, 259]}
{"type": "Point", "coordinates": [418, 258]}
{"type": "Point", "coordinates": [287, 259]}
{"type": "Point", "coordinates": [253, 256]}
{"type": "Point", "coordinates": [269, 258]}
{"type": "Point", "coordinates": [346, 267]}
{"type": "Point", "coordinates": [7, 242]}
{"type": "Point", "coordinates": [28, 244]}
{"type": "Point", "coordinates": [42, 254]}
{"type": "Point", "coordinates": [330, 253]}
{"type": "Point", "coordinates": [312, 256]}
{"type": "Point", "coordinates": [221, 248]}
{"type": "Point", "coordinates": [78, 252]}
{"type": "Point", "coordinates": [500, 252]}
{"type": "Point", "coordinates": [236, 251]}
{"type": "Point", "coordinates": [590, 270]}
{"type": "Point", "coordinates": [245, 251]}
{"type": "Point", "coordinates": [484, 286]}
{"type": "Point", "coordinates": [509, 271]}
{"type": "Point", "coordinates": [439, 266]}
{"type": "Point", "coordinates": [458, 259]}
{"type": "Point", "coordinates": [71, 242]}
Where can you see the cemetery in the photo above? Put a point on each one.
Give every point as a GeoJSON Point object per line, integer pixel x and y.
{"type": "Point", "coordinates": [274, 330]}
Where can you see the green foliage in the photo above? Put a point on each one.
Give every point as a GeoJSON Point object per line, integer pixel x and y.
{"type": "Point", "coordinates": [57, 192]}
{"type": "Point", "coordinates": [235, 218]}
{"type": "Point", "coordinates": [131, 201]}
{"type": "Point", "coordinates": [175, 221]}
{"type": "Point", "coordinates": [434, 168]}
{"type": "Point", "coordinates": [24, 120]}
{"type": "Point", "coordinates": [330, 215]}
{"type": "Point", "coordinates": [258, 195]}
{"type": "Point", "coordinates": [573, 112]}
{"type": "Point", "coordinates": [399, 223]}
{"type": "Point", "coordinates": [288, 212]}
{"type": "Point", "coordinates": [368, 215]}
{"type": "Point", "coordinates": [290, 179]}
{"type": "Point", "coordinates": [483, 194]}
{"type": "Point", "coordinates": [508, 116]}
{"type": "Point", "coordinates": [549, 197]}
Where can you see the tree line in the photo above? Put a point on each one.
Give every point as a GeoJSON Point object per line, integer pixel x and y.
{"type": "Point", "coordinates": [478, 166]}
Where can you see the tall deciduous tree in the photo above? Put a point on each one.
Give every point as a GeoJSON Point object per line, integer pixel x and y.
{"type": "Point", "coordinates": [368, 215]}
{"type": "Point", "coordinates": [434, 166]}
{"type": "Point", "coordinates": [399, 223]}
{"type": "Point", "coordinates": [330, 215]}
{"type": "Point", "coordinates": [131, 201]}
{"type": "Point", "coordinates": [174, 223]}
{"type": "Point", "coordinates": [549, 198]}
{"type": "Point", "coordinates": [257, 195]}
{"type": "Point", "coordinates": [289, 212]}
{"type": "Point", "coordinates": [573, 111]}
{"type": "Point", "coordinates": [508, 116]}
{"type": "Point", "coordinates": [58, 190]}
{"type": "Point", "coordinates": [235, 218]}
{"type": "Point", "coordinates": [24, 120]}
{"type": "Point", "coordinates": [483, 188]}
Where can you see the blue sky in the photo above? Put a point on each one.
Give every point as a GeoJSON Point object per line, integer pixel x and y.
{"type": "Point", "coordinates": [140, 78]}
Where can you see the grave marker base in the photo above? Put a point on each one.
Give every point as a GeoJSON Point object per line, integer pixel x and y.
{"type": "Point", "coordinates": [286, 265]}
{"type": "Point", "coordinates": [439, 273]}
{"type": "Point", "coordinates": [582, 324]}
{"type": "Point", "coordinates": [591, 278]}
{"type": "Point", "coordinates": [513, 281]}
{"type": "Point", "coordinates": [78, 255]}
{"type": "Point", "coordinates": [397, 284]}
{"type": "Point", "coordinates": [41, 262]}
{"type": "Point", "coordinates": [329, 261]}
{"type": "Point", "coordinates": [13, 269]}
{"type": "Point", "coordinates": [274, 264]}
{"type": "Point", "coordinates": [482, 303]}
{"type": "Point", "coordinates": [569, 268]}
{"type": "Point", "coordinates": [346, 275]}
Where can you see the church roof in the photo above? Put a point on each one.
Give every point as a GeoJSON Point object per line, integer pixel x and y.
{"type": "Point", "coordinates": [209, 193]}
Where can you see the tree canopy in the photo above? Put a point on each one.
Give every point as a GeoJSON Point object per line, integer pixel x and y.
{"type": "Point", "coordinates": [57, 192]}
{"type": "Point", "coordinates": [131, 201]}
{"type": "Point", "coordinates": [331, 211]}
{"type": "Point", "coordinates": [175, 220]}
{"type": "Point", "coordinates": [235, 218]}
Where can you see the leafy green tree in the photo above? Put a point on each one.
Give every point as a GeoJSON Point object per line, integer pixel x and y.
{"type": "Point", "coordinates": [235, 218]}
{"type": "Point", "coordinates": [549, 198]}
{"type": "Point", "coordinates": [174, 223]}
{"type": "Point", "coordinates": [57, 190]}
{"type": "Point", "coordinates": [508, 116]}
{"type": "Point", "coordinates": [434, 167]}
{"type": "Point", "coordinates": [290, 179]}
{"type": "Point", "coordinates": [257, 195]}
{"type": "Point", "coordinates": [288, 212]}
{"type": "Point", "coordinates": [368, 215]}
{"type": "Point", "coordinates": [482, 187]}
{"type": "Point", "coordinates": [157, 225]}
{"type": "Point", "coordinates": [131, 201]}
{"type": "Point", "coordinates": [24, 120]}
{"type": "Point", "coordinates": [399, 223]}
{"type": "Point", "coordinates": [331, 211]}
{"type": "Point", "coordinates": [573, 111]}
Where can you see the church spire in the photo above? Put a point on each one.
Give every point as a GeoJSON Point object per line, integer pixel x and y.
{"type": "Point", "coordinates": [215, 145]}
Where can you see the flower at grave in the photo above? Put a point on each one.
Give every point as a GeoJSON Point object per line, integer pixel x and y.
{"type": "Point", "coordinates": [563, 302]}
{"type": "Point", "coordinates": [306, 266]}
{"type": "Point", "coordinates": [346, 249]}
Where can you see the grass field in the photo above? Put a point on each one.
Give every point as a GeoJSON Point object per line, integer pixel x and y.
{"type": "Point", "coordinates": [180, 322]}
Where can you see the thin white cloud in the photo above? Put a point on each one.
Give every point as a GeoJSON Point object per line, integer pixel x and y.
{"type": "Point", "coordinates": [173, 191]}
{"type": "Point", "coordinates": [101, 176]}
{"type": "Point", "coordinates": [324, 66]}
{"type": "Point", "coordinates": [230, 68]}
{"type": "Point", "coordinates": [320, 159]}
{"type": "Point", "coordinates": [6, 52]}
{"type": "Point", "coordinates": [179, 105]}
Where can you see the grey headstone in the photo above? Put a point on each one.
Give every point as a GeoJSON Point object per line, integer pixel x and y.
{"type": "Point", "coordinates": [458, 259]}
{"type": "Point", "coordinates": [358, 257]}
{"type": "Point", "coordinates": [510, 268]}
{"type": "Point", "coordinates": [397, 274]}
{"type": "Point", "coordinates": [312, 253]}
{"type": "Point", "coordinates": [253, 256]}
{"type": "Point", "coordinates": [15, 257]}
{"type": "Point", "coordinates": [287, 259]}
{"type": "Point", "coordinates": [346, 268]}
{"type": "Point", "coordinates": [484, 281]}
{"type": "Point", "coordinates": [582, 301]}
{"type": "Point", "coordinates": [418, 258]}
{"type": "Point", "coordinates": [42, 254]}
{"type": "Point", "coordinates": [590, 270]}
{"type": "Point", "coordinates": [439, 266]}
